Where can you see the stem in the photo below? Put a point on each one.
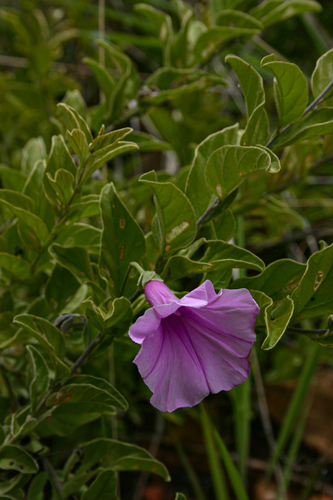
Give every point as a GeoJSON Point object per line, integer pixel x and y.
{"type": "Point", "coordinates": [86, 353]}
{"type": "Point", "coordinates": [48, 466]}
{"type": "Point", "coordinates": [208, 212]}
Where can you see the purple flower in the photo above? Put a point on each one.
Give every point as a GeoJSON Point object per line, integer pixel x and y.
{"type": "Point", "coordinates": [194, 345]}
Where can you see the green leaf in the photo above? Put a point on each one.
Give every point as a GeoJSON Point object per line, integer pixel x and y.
{"type": "Point", "coordinates": [174, 83]}
{"type": "Point", "coordinates": [119, 456]}
{"type": "Point", "coordinates": [104, 487]}
{"type": "Point", "coordinates": [16, 199]}
{"type": "Point", "coordinates": [278, 321]}
{"type": "Point", "coordinates": [41, 377]}
{"type": "Point", "coordinates": [197, 189]}
{"type": "Point", "coordinates": [122, 240]}
{"type": "Point", "coordinates": [62, 184]}
{"type": "Point", "coordinates": [128, 83]}
{"type": "Point", "coordinates": [313, 296]}
{"type": "Point", "coordinates": [278, 280]}
{"type": "Point", "coordinates": [227, 167]}
{"type": "Point", "coordinates": [251, 83]}
{"type": "Point", "coordinates": [84, 209]}
{"type": "Point", "coordinates": [36, 488]}
{"type": "Point", "coordinates": [224, 255]}
{"type": "Point", "coordinates": [212, 39]}
{"type": "Point", "coordinates": [32, 229]}
{"type": "Point", "coordinates": [174, 225]}
{"type": "Point", "coordinates": [106, 82]}
{"type": "Point", "coordinates": [12, 179]}
{"type": "Point", "coordinates": [115, 322]}
{"type": "Point", "coordinates": [179, 46]}
{"type": "Point", "coordinates": [290, 90]}
{"type": "Point", "coordinates": [79, 143]}
{"type": "Point", "coordinates": [180, 496]}
{"type": "Point", "coordinates": [217, 5]}
{"type": "Point", "coordinates": [257, 129]}
{"type": "Point", "coordinates": [102, 141]}
{"type": "Point", "coordinates": [34, 189]}
{"type": "Point", "coordinates": [44, 328]}
{"type": "Point", "coordinates": [314, 124]}
{"type": "Point", "coordinates": [33, 151]}
{"type": "Point", "coordinates": [162, 23]}
{"type": "Point", "coordinates": [75, 259]}
{"type": "Point", "coordinates": [9, 485]}
{"type": "Point", "coordinates": [81, 235]}
{"type": "Point", "coordinates": [49, 337]}
{"type": "Point", "coordinates": [225, 226]}
{"type": "Point", "coordinates": [13, 457]}
{"type": "Point", "coordinates": [274, 11]}
{"type": "Point", "coordinates": [74, 120]}
{"type": "Point", "coordinates": [15, 266]}
{"type": "Point", "coordinates": [88, 389]}
{"type": "Point", "coordinates": [99, 158]}
{"type": "Point", "coordinates": [179, 267]}
{"type": "Point", "coordinates": [2, 435]}
{"type": "Point", "coordinates": [237, 19]}
{"type": "Point", "coordinates": [59, 159]}
{"type": "Point", "coordinates": [56, 294]}
{"type": "Point", "coordinates": [322, 76]}
{"type": "Point", "coordinates": [147, 142]}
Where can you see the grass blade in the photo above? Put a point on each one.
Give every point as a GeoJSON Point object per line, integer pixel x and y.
{"type": "Point", "coordinates": [218, 478]}
{"type": "Point", "coordinates": [232, 472]}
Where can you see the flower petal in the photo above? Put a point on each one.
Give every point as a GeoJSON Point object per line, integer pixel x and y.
{"type": "Point", "coordinates": [223, 356]}
{"type": "Point", "coordinates": [201, 296]}
{"type": "Point", "coordinates": [232, 311]}
{"type": "Point", "coordinates": [144, 326]}
{"type": "Point", "coordinates": [170, 367]}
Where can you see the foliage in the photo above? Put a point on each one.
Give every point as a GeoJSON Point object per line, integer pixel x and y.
{"type": "Point", "coordinates": [86, 210]}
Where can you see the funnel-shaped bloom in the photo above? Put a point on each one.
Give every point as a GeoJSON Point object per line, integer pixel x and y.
{"type": "Point", "coordinates": [194, 345]}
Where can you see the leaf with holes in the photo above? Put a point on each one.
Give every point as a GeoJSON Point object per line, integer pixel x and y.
{"type": "Point", "coordinates": [13, 457]}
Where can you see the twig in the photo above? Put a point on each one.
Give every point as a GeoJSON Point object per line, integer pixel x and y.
{"type": "Point", "coordinates": [86, 353]}
{"type": "Point", "coordinates": [48, 466]}
{"type": "Point", "coordinates": [208, 212]}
